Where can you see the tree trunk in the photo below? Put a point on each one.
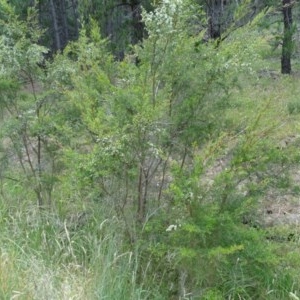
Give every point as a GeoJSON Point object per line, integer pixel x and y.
{"type": "Point", "coordinates": [63, 13]}
{"type": "Point", "coordinates": [75, 14]}
{"type": "Point", "coordinates": [137, 23]}
{"type": "Point", "coordinates": [55, 25]}
{"type": "Point", "coordinates": [287, 43]}
{"type": "Point", "coordinates": [214, 18]}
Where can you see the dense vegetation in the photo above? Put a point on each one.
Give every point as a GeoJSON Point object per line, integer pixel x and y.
{"type": "Point", "coordinates": [162, 165]}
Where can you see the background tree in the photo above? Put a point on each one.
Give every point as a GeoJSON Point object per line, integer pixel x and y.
{"type": "Point", "coordinates": [287, 41]}
{"type": "Point", "coordinates": [120, 21]}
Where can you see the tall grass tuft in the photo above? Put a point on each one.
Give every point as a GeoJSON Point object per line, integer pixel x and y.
{"type": "Point", "coordinates": [42, 256]}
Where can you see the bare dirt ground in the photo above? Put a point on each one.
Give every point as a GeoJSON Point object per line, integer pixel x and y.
{"type": "Point", "coordinates": [277, 206]}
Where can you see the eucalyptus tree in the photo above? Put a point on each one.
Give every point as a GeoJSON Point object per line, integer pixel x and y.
{"type": "Point", "coordinates": [119, 20]}
{"type": "Point", "coordinates": [223, 15]}
{"type": "Point", "coordinates": [58, 18]}
{"type": "Point", "coordinates": [219, 14]}
{"type": "Point", "coordinates": [61, 20]}
{"type": "Point", "coordinates": [281, 13]}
